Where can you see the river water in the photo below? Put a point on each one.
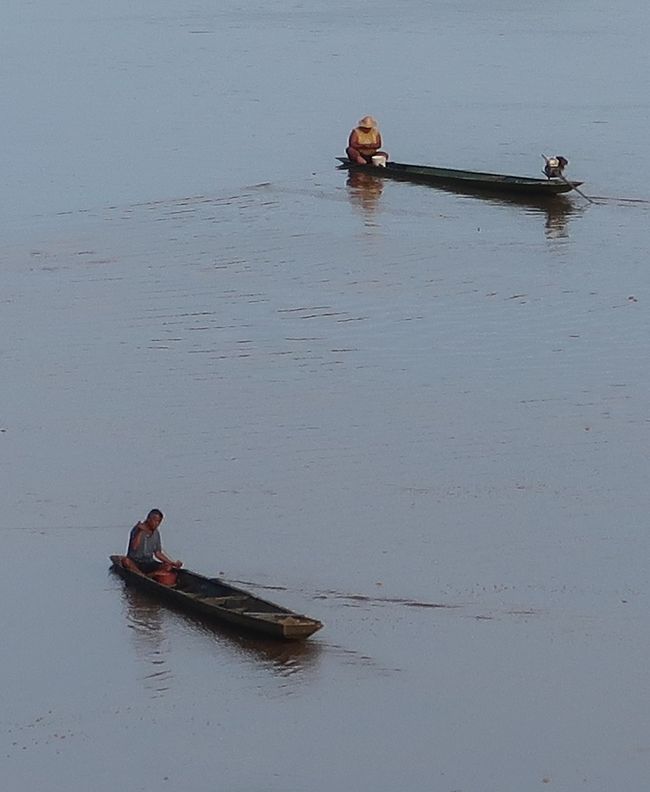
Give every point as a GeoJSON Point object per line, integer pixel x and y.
{"type": "Point", "coordinates": [419, 416]}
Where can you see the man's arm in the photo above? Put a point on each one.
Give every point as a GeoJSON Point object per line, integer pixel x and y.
{"type": "Point", "coordinates": [135, 537]}
{"type": "Point", "coordinates": [161, 556]}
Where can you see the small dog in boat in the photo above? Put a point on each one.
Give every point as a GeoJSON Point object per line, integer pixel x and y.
{"type": "Point", "coordinates": [554, 168]}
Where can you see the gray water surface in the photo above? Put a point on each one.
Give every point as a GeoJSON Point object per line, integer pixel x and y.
{"type": "Point", "coordinates": [419, 416]}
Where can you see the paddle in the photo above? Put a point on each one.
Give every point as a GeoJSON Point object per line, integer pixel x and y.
{"type": "Point", "coordinates": [577, 189]}
{"type": "Point", "coordinates": [566, 181]}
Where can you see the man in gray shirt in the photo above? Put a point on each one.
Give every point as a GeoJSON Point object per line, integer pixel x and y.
{"type": "Point", "coordinates": [145, 553]}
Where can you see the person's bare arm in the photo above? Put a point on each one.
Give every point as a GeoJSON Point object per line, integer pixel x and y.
{"type": "Point", "coordinates": [353, 140]}
{"type": "Point", "coordinates": [161, 556]}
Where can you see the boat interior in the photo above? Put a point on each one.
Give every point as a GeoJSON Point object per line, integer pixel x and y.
{"type": "Point", "coordinates": [213, 592]}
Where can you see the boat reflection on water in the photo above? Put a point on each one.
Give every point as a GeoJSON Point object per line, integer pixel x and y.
{"type": "Point", "coordinates": [365, 191]}
{"type": "Point", "coordinates": [153, 625]}
{"type": "Point", "coordinates": [556, 210]}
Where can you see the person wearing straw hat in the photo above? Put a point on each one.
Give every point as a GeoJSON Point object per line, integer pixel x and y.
{"type": "Point", "coordinates": [364, 142]}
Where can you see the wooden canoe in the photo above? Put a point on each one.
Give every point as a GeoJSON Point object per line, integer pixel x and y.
{"type": "Point", "coordinates": [461, 179]}
{"type": "Point", "coordinates": [221, 601]}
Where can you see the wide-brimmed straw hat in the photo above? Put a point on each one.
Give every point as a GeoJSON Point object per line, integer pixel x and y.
{"type": "Point", "coordinates": [367, 122]}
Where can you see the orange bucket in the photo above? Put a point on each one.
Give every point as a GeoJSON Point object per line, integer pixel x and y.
{"type": "Point", "coordinates": [165, 577]}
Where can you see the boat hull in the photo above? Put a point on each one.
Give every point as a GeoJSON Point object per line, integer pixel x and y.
{"type": "Point", "coordinates": [222, 602]}
{"type": "Point", "coordinates": [465, 180]}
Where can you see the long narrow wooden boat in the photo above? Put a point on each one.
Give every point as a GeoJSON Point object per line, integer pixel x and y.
{"type": "Point", "coordinates": [461, 179]}
{"type": "Point", "coordinates": [221, 601]}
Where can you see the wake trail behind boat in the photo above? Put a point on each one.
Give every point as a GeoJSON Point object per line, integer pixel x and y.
{"type": "Point", "coordinates": [605, 199]}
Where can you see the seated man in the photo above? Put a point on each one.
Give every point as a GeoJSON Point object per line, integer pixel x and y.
{"type": "Point", "coordinates": [145, 552]}
{"type": "Point", "coordinates": [365, 142]}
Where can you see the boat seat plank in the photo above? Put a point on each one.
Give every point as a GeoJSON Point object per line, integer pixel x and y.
{"type": "Point", "coordinates": [283, 618]}
{"type": "Point", "coordinates": [229, 602]}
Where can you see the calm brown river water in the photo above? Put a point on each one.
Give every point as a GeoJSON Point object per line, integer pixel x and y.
{"type": "Point", "coordinates": [418, 416]}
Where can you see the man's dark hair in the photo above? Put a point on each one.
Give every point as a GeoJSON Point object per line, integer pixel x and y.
{"type": "Point", "coordinates": [155, 513]}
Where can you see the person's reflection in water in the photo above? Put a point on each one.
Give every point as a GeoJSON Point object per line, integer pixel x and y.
{"type": "Point", "coordinates": [145, 619]}
{"type": "Point", "coordinates": [556, 211]}
{"type": "Point", "coordinates": [557, 218]}
{"type": "Point", "coordinates": [364, 191]}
